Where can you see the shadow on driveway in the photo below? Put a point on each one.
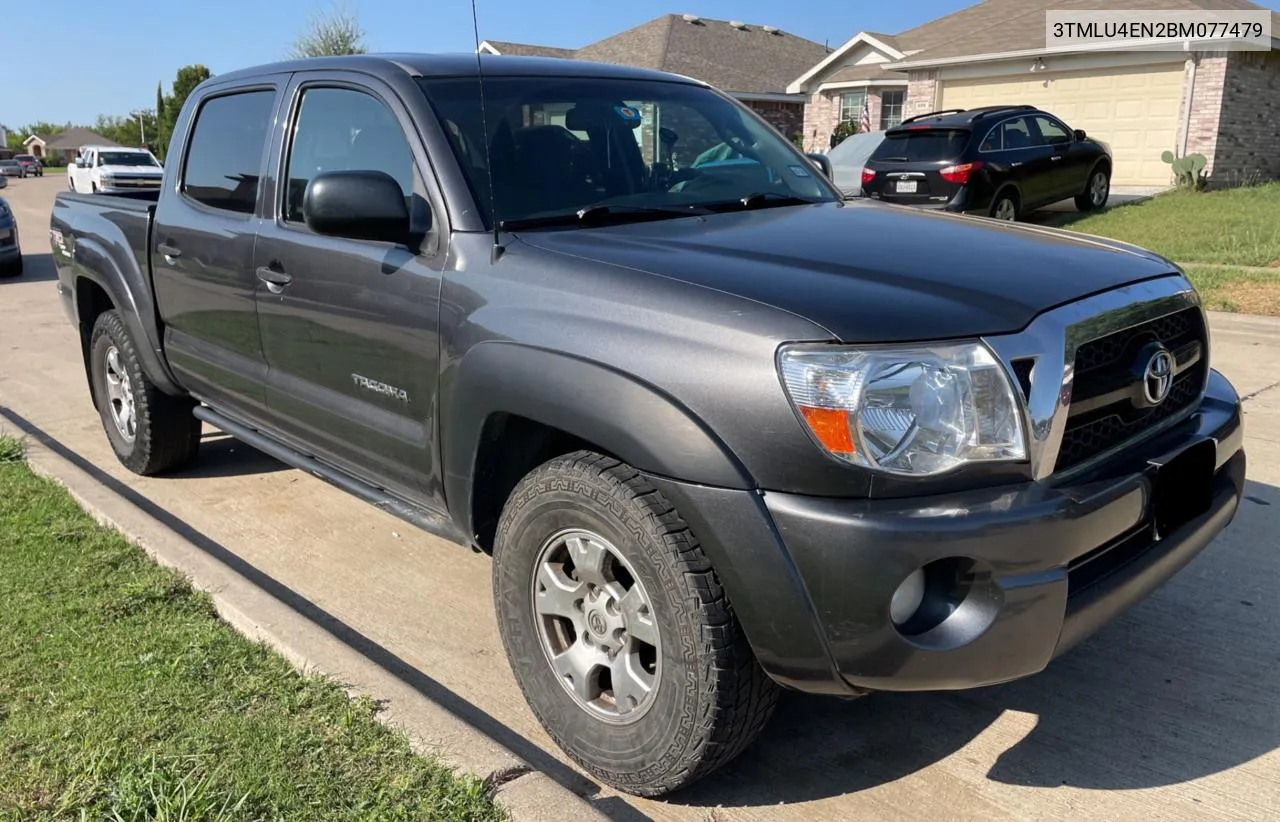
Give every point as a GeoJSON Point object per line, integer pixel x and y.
{"type": "Point", "coordinates": [36, 268]}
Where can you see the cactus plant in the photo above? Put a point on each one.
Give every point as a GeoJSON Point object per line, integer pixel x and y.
{"type": "Point", "coordinates": [1187, 170]}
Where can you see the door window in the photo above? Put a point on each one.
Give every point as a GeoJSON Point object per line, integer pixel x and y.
{"type": "Point", "coordinates": [1010, 135]}
{"type": "Point", "coordinates": [224, 158]}
{"type": "Point", "coordinates": [1052, 131]}
{"type": "Point", "coordinates": [340, 129]}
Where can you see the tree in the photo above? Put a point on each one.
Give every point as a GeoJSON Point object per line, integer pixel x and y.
{"type": "Point", "coordinates": [335, 33]}
{"type": "Point", "coordinates": [161, 140]}
{"type": "Point", "coordinates": [184, 83]}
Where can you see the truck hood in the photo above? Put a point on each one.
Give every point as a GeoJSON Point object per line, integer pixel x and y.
{"type": "Point", "coordinates": [870, 272]}
{"type": "Point", "coordinates": [137, 171]}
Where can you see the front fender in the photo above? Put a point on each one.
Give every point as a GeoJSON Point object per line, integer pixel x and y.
{"type": "Point", "coordinates": [634, 421]}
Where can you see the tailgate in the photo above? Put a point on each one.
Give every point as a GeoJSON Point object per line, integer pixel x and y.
{"type": "Point", "coordinates": [908, 163]}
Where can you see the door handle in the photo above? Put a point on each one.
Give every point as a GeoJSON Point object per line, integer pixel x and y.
{"type": "Point", "coordinates": [1056, 157]}
{"type": "Point", "coordinates": [169, 252]}
{"type": "Point", "coordinates": [274, 278]}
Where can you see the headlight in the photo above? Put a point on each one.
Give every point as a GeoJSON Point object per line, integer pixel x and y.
{"type": "Point", "coordinates": [917, 410]}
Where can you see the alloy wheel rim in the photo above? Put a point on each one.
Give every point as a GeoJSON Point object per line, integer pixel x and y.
{"type": "Point", "coordinates": [1099, 188]}
{"type": "Point", "coordinates": [120, 396]}
{"type": "Point", "coordinates": [596, 626]}
{"type": "Point", "coordinates": [1005, 210]}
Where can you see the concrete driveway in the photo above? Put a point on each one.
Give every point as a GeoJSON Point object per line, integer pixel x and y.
{"type": "Point", "coordinates": [1171, 713]}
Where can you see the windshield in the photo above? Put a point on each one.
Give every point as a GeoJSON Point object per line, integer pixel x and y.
{"type": "Point", "coordinates": [127, 158]}
{"type": "Point", "coordinates": [560, 145]}
{"type": "Point", "coordinates": [24, 158]}
{"type": "Point", "coordinates": [926, 145]}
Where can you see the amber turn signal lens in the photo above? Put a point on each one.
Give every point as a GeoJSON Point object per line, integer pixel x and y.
{"type": "Point", "coordinates": [831, 427]}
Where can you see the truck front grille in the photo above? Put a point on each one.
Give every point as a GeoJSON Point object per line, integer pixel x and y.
{"type": "Point", "coordinates": [1107, 365]}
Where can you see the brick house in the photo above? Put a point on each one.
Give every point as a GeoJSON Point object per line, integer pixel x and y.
{"type": "Point", "coordinates": [753, 63]}
{"type": "Point", "coordinates": [1195, 99]}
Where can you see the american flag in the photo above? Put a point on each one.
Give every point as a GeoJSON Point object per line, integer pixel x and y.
{"type": "Point", "coordinates": [865, 123]}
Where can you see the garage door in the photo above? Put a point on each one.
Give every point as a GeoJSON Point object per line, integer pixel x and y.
{"type": "Point", "coordinates": [1135, 110]}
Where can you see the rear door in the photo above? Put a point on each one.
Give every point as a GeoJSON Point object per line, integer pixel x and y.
{"type": "Point", "coordinates": [1016, 154]}
{"type": "Point", "coordinates": [908, 164]}
{"type": "Point", "coordinates": [202, 247]}
{"type": "Point", "coordinates": [352, 339]}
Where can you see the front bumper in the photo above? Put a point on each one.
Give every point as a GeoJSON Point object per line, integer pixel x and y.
{"type": "Point", "coordinates": [812, 578]}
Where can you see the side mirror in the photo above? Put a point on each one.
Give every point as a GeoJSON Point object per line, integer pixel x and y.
{"type": "Point", "coordinates": [1079, 134]}
{"type": "Point", "coordinates": [823, 162]}
{"type": "Point", "coordinates": [357, 205]}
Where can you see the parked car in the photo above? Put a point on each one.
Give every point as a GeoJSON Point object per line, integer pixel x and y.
{"type": "Point", "coordinates": [10, 250]}
{"type": "Point", "coordinates": [998, 161]}
{"type": "Point", "coordinates": [4, 181]}
{"type": "Point", "coordinates": [848, 158]}
{"type": "Point", "coordinates": [12, 168]}
{"type": "Point", "coordinates": [114, 170]}
{"type": "Point", "coordinates": [31, 165]}
{"type": "Point", "coordinates": [722, 430]}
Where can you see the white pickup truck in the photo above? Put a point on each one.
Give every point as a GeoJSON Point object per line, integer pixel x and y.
{"type": "Point", "coordinates": [114, 170]}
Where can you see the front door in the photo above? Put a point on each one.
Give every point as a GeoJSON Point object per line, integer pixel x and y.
{"type": "Point", "coordinates": [1076, 160]}
{"type": "Point", "coordinates": [350, 327]}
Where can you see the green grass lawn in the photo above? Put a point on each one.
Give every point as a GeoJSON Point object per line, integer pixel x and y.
{"type": "Point", "coordinates": [124, 696]}
{"type": "Point", "coordinates": [1238, 226]}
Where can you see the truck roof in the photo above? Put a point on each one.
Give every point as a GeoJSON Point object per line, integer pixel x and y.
{"type": "Point", "coordinates": [457, 65]}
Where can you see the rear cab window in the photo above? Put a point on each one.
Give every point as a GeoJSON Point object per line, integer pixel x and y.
{"type": "Point", "coordinates": [921, 145]}
{"type": "Point", "coordinates": [224, 155]}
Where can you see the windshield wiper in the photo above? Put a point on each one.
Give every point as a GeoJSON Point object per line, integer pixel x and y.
{"type": "Point", "coordinates": [760, 199]}
{"type": "Point", "coordinates": [606, 213]}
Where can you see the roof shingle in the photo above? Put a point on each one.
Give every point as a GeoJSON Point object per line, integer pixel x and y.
{"type": "Point", "coordinates": [747, 58]}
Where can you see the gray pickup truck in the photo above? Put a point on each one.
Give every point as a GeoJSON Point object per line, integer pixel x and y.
{"type": "Point", "coordinates": [721, 430]}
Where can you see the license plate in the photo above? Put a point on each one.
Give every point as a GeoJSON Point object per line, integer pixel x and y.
{"type": "Point", "coordinates": [5, 232]}
{"type": "Point", "coordinates": [907, 186]}
{"type": "Point", "coordinates": [1183, 486]}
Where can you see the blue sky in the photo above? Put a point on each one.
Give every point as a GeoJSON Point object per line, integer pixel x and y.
{"type": "Point", "coordinates": [43, 78]}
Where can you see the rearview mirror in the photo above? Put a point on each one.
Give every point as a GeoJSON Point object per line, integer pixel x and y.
{"type": "Point", "coordinates": [823, 162]}
{"type": "Point", "coordinates": [1079, 134]}
{"type": "Point", "coordinates": [357, 205]}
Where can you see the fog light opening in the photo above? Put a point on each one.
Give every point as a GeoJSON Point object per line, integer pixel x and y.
{"type": "Point", "coordinates": [946, 603]}
{"type": "Point", "coordinates": [907, 598]}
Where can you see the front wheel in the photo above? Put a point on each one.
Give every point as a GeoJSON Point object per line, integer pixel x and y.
{"type": "Point", "coordinates": [1096, 191]}
{"type": "Point", "coordinates": [14, 269]}
{"type": "Point", "coordinates": [150, 431]}
{"type": "Point", "coordinates": [618, 630]}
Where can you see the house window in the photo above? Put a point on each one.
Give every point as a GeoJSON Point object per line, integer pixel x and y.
{"type": "Point", "coordinates": [851, 103]}
{"type": "Point", "coordinates": [891, 108]}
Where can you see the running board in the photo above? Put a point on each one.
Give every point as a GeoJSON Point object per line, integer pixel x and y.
{"type": "Point", "coordinates": [378, 497]}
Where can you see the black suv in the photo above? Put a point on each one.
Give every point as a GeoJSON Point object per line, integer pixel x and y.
{"type": "Point", "coordinates": [998, 161]}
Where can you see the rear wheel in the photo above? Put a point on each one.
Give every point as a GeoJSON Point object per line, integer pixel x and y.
{"type": "Point", "coordinates": [1005, 206]}
{"type": "Point", "coordinates": [150, 431]}
{"type": "Point", "coordinates": [1096, 192]}
{"type": "Point", "coordinates": [618, 631]}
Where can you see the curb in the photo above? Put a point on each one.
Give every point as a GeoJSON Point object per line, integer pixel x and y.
{"type": "Point", "coordinates": [525, 793]}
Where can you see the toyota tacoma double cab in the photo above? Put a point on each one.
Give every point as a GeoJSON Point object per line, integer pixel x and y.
{"type": "Point", "coordinates": [721, 431]}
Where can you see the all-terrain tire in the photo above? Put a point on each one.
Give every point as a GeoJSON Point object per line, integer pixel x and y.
{"type": "Point", "coordinates": [167, 433]}
{"type": "Point", "coordinates": [711, 698]}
